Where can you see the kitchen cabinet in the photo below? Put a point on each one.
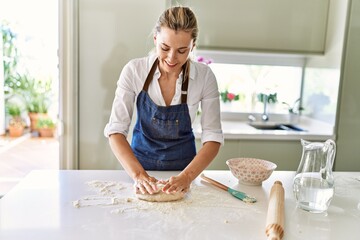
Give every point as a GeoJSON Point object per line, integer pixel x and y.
{"type": "Point", "coordinates": [281, 147]}
{"type": "Point", "coordinates": [262, 25]}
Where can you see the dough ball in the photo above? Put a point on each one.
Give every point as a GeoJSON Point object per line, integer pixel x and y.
{"type": "Point", "coordinates": [160, 196]}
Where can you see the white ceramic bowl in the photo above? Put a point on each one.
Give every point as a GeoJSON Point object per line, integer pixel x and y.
{"type": "Point", "coordinates": [251, 171]}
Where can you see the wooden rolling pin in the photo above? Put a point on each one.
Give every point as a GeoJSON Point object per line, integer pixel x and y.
{"type": "Point", "coordinates": [275, 214]}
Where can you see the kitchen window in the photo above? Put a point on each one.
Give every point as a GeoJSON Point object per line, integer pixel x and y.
{"type": "Point", "coordinates": [242, 87]}
{"type": "Point", "coordinates": [247, 80]}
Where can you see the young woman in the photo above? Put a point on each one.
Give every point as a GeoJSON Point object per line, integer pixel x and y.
{"type": "Point", "coordinates": [168, 88]}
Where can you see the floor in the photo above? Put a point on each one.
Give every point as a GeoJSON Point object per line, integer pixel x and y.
{"type": "Point", "coordinates": [19, 156]}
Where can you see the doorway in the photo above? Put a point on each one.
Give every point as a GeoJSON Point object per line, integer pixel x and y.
{"type": "Point", "coordinates": [34, 26]}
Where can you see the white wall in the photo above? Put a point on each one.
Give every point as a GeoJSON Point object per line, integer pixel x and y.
{"type": "Point", "coordinates": [111, 32]}
{"type": "Point", "coordinates": [348, 130]}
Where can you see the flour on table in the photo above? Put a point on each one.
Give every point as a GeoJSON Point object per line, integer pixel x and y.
{"type": "Point", "coordinates": [108, 192]}
{"type": "Point", "coordinates": [76, 203]}
{"type": "Point", "coordinates": [160, 196]}
{"type": "Point", "coordinates": [119, 198]}
{"type": "Point", "coordinates": [106, 188]}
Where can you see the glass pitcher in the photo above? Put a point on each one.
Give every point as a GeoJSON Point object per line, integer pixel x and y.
{"type": "Point", "coordinates": [314, 181]}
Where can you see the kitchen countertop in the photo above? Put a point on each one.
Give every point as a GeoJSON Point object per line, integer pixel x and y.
{"type": "Point", "coordinates": [240, 129]}
{"type": "Point", "coordinates": [42, 206]}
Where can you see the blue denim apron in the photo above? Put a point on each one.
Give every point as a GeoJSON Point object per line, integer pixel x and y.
{"type": "Point", "coordinates": [162, 136]}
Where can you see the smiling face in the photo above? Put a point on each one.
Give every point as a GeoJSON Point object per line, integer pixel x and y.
{"type": "Point", "coordinates": [173, 49]}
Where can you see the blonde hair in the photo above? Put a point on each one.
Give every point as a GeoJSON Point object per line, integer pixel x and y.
{"type": "Point", "coordinates": [178, 18]}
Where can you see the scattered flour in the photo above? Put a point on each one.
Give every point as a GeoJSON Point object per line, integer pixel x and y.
{"type": "Point", "coordinates": [76, 203]}
{"type": "Point", "coordinates": [120, 197]}
{"type": "Point", "coordinates": [106, 188]}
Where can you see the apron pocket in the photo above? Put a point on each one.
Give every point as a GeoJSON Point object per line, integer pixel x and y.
{"type": "Point", "coordinates": [165, 129]}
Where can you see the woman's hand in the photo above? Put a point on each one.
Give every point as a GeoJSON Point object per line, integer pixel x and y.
{"type": "Point", "coordinates": [146, 185]}
{"type": "Point", "coordinates": [179, 183]}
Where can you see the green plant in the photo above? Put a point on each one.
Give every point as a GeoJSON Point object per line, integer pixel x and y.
{"type": "Point", "coordinates": [226, 96]}
{"type": "Point", "coordinates": [35, 93]}
{"type": "Point", "coordinates": [270, 98]}
{"type": "Point", "coordinates": [10, 58]}
{"type": "Point", "coordinates": [10, 62]}
{"type": "Point", "coordinates": [14, 110]}
{"type": "Point", "coordinates": [45, 123]}
{"type": "Point", "coordinates": [295, 108]}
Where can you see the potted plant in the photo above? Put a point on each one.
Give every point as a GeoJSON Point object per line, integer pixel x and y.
{"type": "Point", "coordinates": [227, 96]}
{"type": "Point", "coordinates": [16, 123]}
{"type": "Point", "coordinates": [267, 98]}
{"type": "Point", "coordinates": [37, 97]}
{"type": "Point", "coordinates": [35, 93]}
{"type": "Point", "coordinates": [294, 110]}
{"type": "Point", "coordinates": [45, 126]}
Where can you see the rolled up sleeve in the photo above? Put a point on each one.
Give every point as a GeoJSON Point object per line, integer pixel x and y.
{"type": "Point", "coordinates": [210, 115]}
{"type": "Point", "coordinates": [123, 104]}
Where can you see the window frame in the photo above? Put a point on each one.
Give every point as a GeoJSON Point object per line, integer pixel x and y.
{"type": "Point", "coordinates": [253, 58]}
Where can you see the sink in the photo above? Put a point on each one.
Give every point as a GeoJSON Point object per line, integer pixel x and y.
{"type": "Point", "coordinates": [275, 126]}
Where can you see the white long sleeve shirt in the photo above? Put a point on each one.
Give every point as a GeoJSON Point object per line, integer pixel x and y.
{"type": "Point", "coordinates": [202, 91]}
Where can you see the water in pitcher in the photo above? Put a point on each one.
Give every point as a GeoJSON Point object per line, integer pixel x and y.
{"type": "Point", "coordinates": [312, 192]}
{"type": "Point", "coordinates": [314, 181]}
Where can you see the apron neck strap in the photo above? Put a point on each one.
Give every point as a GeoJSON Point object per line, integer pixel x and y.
{"type": "Point", "coordinates": [150, 75]}
{"type": "Point", "coordinates": [185, 83]}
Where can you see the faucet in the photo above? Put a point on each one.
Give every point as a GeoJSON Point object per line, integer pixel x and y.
{"type": "Point", "coordinates": [265, 116]}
